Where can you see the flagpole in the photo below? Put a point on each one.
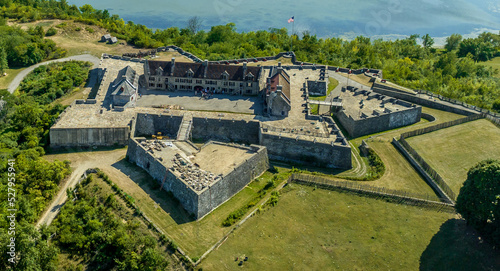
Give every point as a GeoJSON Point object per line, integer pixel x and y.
{"type": "Point", "coordinates": [293, 30]}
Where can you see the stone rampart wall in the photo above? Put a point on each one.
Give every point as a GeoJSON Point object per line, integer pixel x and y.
{"type": "Point", "coordinates": [88, 137]}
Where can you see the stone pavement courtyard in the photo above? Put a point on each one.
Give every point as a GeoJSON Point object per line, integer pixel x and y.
{"type": "Point", "coordinates": [189, 101]}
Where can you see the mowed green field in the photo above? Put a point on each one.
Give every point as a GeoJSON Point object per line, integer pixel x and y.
{"type": "Point", "coordinates": [325, 230]}
{"type": "Point", "coordinates": [453, 151]}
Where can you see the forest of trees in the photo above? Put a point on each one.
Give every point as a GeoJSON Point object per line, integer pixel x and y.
{"type": "Point", "coordinates": [19, 48]}
{"type": "Point", "coordinates": [25, 120]}
{"type": "Point", "coordinates": [49, 82]}
{"type": "Point", "coordinates": [99, 229]}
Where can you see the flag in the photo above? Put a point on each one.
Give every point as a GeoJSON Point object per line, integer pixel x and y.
{"type": "Point", "coordinates": [291, 19]}
{"type": "Point", "coordinates": [350, 71]}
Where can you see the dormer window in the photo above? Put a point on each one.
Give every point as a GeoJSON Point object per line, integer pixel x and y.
{"type": "Point", "coordinates": [225, 75]}
{"type": "Point", "coordinates": [159, 71]}
{"type": "Point", "coordinates": [190, 73]}
{"type": "Point", "coordinates": [249, 76]}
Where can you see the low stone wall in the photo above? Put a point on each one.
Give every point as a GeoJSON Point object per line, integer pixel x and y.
{"type": "Point", "coordinates": [423, 101]}
{"type": "Point", "coordinates": [226, 130]}
{"type": "Point", "coordinates": [88, 137]}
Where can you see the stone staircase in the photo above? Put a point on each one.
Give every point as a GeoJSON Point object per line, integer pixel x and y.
{"type": "Point", "coordinates": [186, 147]}
{"type": "Point", "coordinates": [184, 132]}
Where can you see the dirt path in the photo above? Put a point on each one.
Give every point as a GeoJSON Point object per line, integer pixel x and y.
{"type": "Point", "coordinates": [80, 162]}
{"type": "Point", "coordinates": [17, 80]}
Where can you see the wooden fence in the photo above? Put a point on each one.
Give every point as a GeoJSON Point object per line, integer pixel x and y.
{"type": "Point", "coordinates": [442, 126]}
{"type": "Point", "coordinates": [398, 196]}
{"type": "Point", "coordinates": [422, 163]}
{"type": "Point", "coordinates": [428, 169]}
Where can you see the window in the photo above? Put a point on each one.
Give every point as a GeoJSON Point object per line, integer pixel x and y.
{"type": "Point", "coordinates": [151, 84]}
{"type": "Point", "coordinates": [249, 91]}
{"type": "Point", "coordinates": [151, 78]}
{"type": "Point", "coordinates": [159, 86]}
{"type": "Point", "coordinates": [166, 80]}
{"type": "Point", "coordinates": [249, 84]}
{"type": "Point", "coordinates": [199, 81]}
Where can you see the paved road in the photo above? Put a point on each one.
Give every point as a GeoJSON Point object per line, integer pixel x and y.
{"type": "Point", "coordinates": [17, 80]}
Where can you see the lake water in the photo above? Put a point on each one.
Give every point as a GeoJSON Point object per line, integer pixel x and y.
{"type": "Point", "coordinates": [335, 18]}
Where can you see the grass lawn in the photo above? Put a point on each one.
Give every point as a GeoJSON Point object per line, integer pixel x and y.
{"type": "Point", "coordinates": [360, 78]}
{"type": "Point", "coordinates": [11, 74]}
{"type": "Point", "coordinates": [194, 237]}
{"type": "Point", "coordinates": [78, 38]}
{"type": "Point", "coordinates": [399, 174]}
{"type": "Point", "coordinates": [453, 151]}
{"type": "Point", "coordinates": [77, 93]}
{"type": "Point", "coordinates": [325, 230]}
{"type": "Point", "coordinates": [332, 84]}
{"type": "Point", "coordinates": [495, 64]}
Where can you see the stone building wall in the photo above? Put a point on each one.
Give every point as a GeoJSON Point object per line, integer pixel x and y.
{"type": "Point", "coordinates": [383, 122]}
{"type": "Point", "coordinates": [226, 130]}
{"type": "Point", "coordinates": [187, 197]}
{"type": "Point", "coordinates": [200, 203]}
{"type": "Point", "coordinates": [151, 124]}
{"type": "Point", "coordinates": [289, 148]}
{"type": "Point", "coordinates": [233, 182]}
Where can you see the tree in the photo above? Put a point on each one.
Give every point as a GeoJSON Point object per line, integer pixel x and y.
{"type": "Point", "coordinates": [452, 42]}
{"type": "Point", "coordinates": [194, 24]}
{"type": "Point", "coordinates": [481, 51]}
{"type": "Point", "coordinates": [427, 41]}
{"type": "Point", "coordinates": [3, 61]}
{"type": "Point", "coordinates": [479, 199]}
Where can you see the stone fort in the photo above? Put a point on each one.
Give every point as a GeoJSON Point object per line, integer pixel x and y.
{"type": "Point", "coordinates": [259, 111]}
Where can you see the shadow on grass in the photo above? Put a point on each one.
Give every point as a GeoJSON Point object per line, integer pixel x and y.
{"type": "Point", "coordinates": [167, 202]}
{"type": "Point", "coordinates": [333, 172]}
{"type": "Point", "coordinates": [459, 247]}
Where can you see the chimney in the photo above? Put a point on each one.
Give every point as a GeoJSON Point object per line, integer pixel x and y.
{"type": "Point", "coordinates": [172, 61]}
{"type": "Point", "coordinates": [279, 64]}
{"type": "Point", "coordinates": [205, 68]}
{"type": "Point", "coordinates": [244, 69]}
{"type": "Point", "coordinates": [279, 88]}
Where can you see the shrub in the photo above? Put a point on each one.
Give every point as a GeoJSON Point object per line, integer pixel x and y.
{"type": "Point", "coordinates": [62, 25]}
{"type": "Point", "coordinates": [90, 30]}
{"type": "Point", "coordinates": [273, 200]}
{"type": "Point", "coordinates": [172, 246]}
{"type": "Point", "coordinates": [51, 32]}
